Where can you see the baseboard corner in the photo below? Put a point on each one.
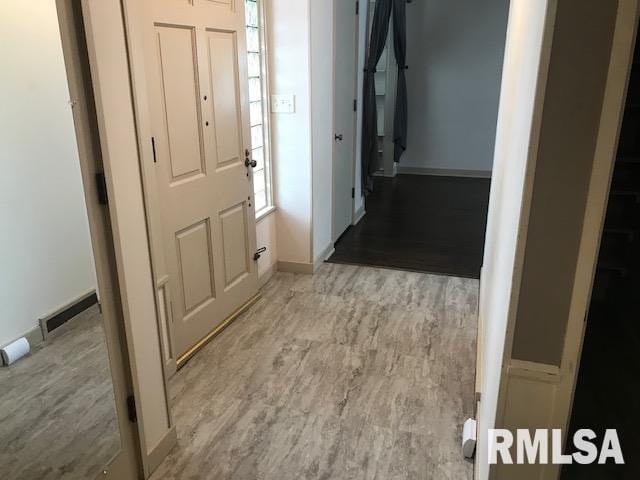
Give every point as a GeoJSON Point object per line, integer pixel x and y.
{"type": "Point", "coordinates": [265, 276]}
{"type": "Point", "coordinates": [161, 450]}
{"type": "Point", "coordinates": [295, 267]}
{"type": "Point", "coordinates": [359, 215]}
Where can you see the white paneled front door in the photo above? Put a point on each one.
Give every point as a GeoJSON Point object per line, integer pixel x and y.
{"type": "Point", "coordinates": [196, 63]}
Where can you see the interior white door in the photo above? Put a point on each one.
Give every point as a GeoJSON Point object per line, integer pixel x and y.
{"type": "Point", "coordinates": [196, 66]}
{"type": "Point", "coordinates": [344, 114]}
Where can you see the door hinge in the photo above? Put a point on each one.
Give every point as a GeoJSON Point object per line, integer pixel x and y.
{"type": "Point", "coordinates": [153, 147]}
{"type": "Point", "coordinates": [101, 188]}
{"type": "Point", "coordinates": [131, 409]}
{"type": "Point", "coordinates": [357, 7]}
{"type": "Point", "coordinates": [355, 105]}
{"type": "Point", "coordinates": [353, 193]}
{"type": "Point", "coordinates": [258, 253]}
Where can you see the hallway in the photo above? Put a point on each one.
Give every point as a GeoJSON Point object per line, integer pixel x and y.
{"type": "Point", "coordinates": [353, 373]}
{"type": "Point", "coordinates": [423, 223]}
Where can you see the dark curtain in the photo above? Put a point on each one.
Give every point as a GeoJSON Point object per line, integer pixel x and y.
{"type": "Point", "coordinates": [400, 49]}
{"type": "Point", "coordinates": [379, 32]}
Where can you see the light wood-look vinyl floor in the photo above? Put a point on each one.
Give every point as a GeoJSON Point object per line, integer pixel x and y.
{"type": "Point", "coordinates": [353, 373]}
{"type": "Point", "coordinates": [57, 410]}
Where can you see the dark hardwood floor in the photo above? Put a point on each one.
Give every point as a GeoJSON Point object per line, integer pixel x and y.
{"type": "Point", "coordinates": [424, 223]}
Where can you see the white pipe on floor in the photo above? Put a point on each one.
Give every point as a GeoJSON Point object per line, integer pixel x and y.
{"type": "Point", "coordinates": [15, 350]}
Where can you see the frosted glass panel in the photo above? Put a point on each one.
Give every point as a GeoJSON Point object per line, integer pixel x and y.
{"type": "Point", "coordinates": [255, 110]}
{"type": "Point", "coordinates": [253, 60]}
{"type": "Point", "coordinates": [255, 90]}
{"type": "Point", "coordinates": [258, 116]}
{"type": "Point", "coordinates": [251, 9]}
{"type": "Point", "coordinates": [256, 136]}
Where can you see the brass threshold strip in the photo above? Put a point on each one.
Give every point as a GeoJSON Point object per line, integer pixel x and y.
{"type": "Point", "coordinates": [183, 359]}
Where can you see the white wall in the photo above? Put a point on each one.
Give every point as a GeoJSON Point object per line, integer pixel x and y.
{"type": "Point", "coordinates": [44, 239]}
{"type": "Point", "coordinates": [289, 68]}
{"type": "Point", "coordinates": [322, 92]}
{"type": "Point", "coordinates": [455, 55]}
{"type": "Point", "coordinates": [301, 63]}
{"type": "Point", "coordinates": [358, 204]}
{"type": "Point", "coordinates": [516, 144]}
{"type": "Point", "coordinates": [266, 233]}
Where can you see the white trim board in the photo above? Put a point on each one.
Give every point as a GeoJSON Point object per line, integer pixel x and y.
{"type": "Point", "coordinates": [295, 267]}
{"type": "Point", "coordinates": [265, 276]}
{"type": "Point", "coordinates": [308, 268]}
{"type": "Point", "coordinates": [326, 253]}
{"type": "Point", "coordinates": [359, 214]}
{"type": "Point", "coordinates": [443, 172]}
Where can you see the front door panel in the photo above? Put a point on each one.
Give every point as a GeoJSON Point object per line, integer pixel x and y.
{"type": "Point", "coordinates": [196, 66]}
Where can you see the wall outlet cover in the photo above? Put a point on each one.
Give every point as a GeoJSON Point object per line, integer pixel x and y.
{"type": "Point", "coordinates": [283, 103]}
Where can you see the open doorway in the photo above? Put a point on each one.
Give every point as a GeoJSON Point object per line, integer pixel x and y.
{"type": "Point", "coordinates": [428, 211]}
{"type": "Point", "coordinates": [609, 358]}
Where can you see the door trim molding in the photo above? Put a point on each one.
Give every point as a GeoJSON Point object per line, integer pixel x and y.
{"type": "Point", "coordinates": [359, 214]}
{"type": "Point", "coordinates": [265, 276]}
{"type": "Point", "coordinates": [335, 235]}
{"type": "Point", "coordinates": [184, 358]}
{"type": "Point", "coordinates": [611, 117]}
{"type": "Point", "coordinates": [162, 448]}
{"type": "Point", "coordinates": [127, 464]}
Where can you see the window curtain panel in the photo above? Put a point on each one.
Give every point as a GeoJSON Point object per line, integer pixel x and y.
{"type": "Point", "coordinates": [400, 117]}
{"type": "Point", "coordinates": [377, 41]}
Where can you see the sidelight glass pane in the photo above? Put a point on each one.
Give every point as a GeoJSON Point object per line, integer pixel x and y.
{"type": "Point", "coordinates": [258, 156]}
{"type": "Point", "coordinates": [255, 113]}
{"type": "Point", "coordinates": [255, 90]}
{"type": "Point", "coordinates": [253, 39]}
{"type": "Point", "coordinates": [251, 9]}
{"type": "Point", "coordinates": [259, 188]}
{"type": "Point", "coordinates": [253, 60]}
{"type": "Point", "coordinates": [256, 136]}
{"type": "Point", "coordinates": [261, 199]}
{"type": "Point", "coordinates": [258, 112]}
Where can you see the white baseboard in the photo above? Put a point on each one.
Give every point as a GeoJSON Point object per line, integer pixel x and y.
{"type": "Point", "coordinates": [326, 253]}
{"type": "Point", "coordinates": [443, 172]}
{"type": "Point", "coordinates": [305, 267]}
{"type": "Point", "coordinates": [33, 336]}
{"type": "Point", "coordinates": [265, 276]}
{"type": "Point", "coordinates": [531, 394]}
{"type": "Point", "coordinates": [295, 267]}
{"type": "Point", "coordinates": [359, 215]}
{"type": "Point", "coordinates": [161, 450]}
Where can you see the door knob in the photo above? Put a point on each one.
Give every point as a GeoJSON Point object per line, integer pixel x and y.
{"type": "Point", "coordinates": [247, 160]}
{"type": "Point", "coordinates": [339, 137]}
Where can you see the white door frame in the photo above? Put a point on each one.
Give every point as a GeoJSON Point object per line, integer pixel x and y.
{"type": "Point", "coordinates": [611, 117]}
{"type": "Point", "coordinates": [356, 139]}
{"type": "Point", "coordinates": [553, 387]}
{"type": "Point", "coordinates": [361, 53]}
{"type": "Point", "coordinates": [109, 43]}
{"type": "Point", "coordinates": [127, 464]}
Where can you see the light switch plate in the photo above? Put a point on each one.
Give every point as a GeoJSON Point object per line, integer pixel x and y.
{"type": "Point", "coordinates": [283, 103]}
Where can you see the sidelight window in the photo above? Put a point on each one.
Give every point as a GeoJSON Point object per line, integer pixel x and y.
{"type": "Point", "coordinates": [258, 104]}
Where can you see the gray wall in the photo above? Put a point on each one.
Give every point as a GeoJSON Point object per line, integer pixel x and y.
{"type": "Point", "coordinates": [455, 53]}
